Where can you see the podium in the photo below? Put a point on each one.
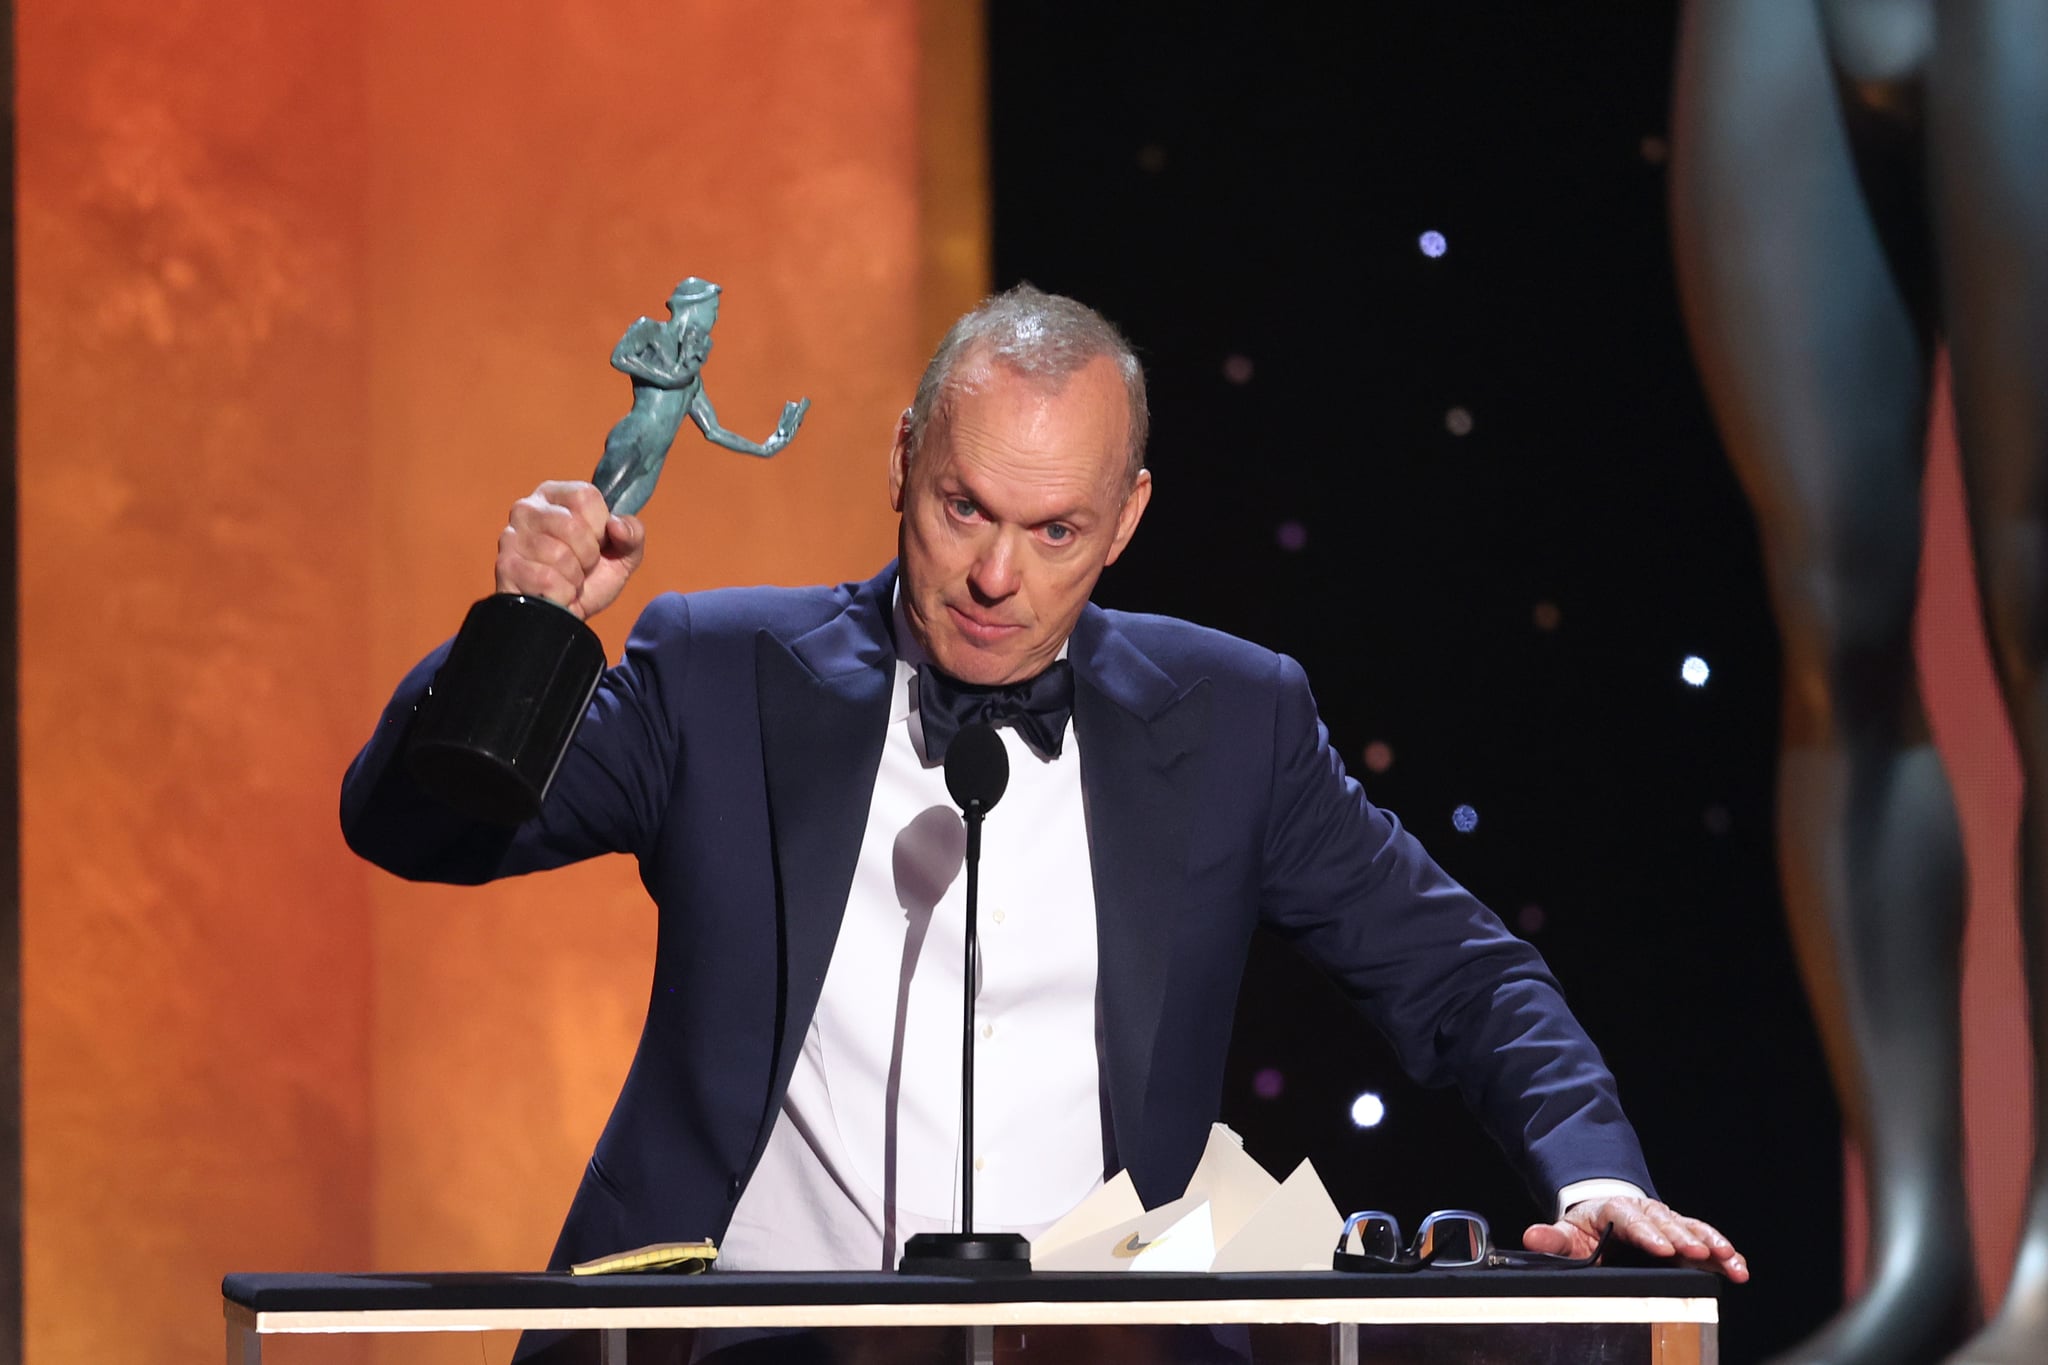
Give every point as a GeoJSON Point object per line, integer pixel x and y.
{"type": "Point", "coordinates": [1656, 1316]}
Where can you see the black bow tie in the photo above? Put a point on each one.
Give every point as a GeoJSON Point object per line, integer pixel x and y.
{"type": "Point", "coordinates": [1039, 707]}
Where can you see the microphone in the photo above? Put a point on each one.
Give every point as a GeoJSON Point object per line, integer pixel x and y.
{"type": "Point", "coordinates": [977, 774]}
{"type": "Point", "coordinates": [977, 769]}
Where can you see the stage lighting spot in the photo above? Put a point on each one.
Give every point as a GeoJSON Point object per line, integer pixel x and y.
{"type": "Point", "coordinates": [1458, 422]}
{"type": "Point", "coordinates": [1368, 1110]}
{"type": "Point", "coordinates": [1152, 158]}
{"type": "Point", "coordinates": [1655, 150]}
{"type": "Point", "coordinates": [1529, 919]}
{"type": "Point", "coordinates": [1546, 616]}
{"type": "Point", "coordinates": [1717, 819]}
{"type": "Point", "coordinates": [1464, 819]}
{"type": "Point", "coordinates": [1694, 670]}
{"type": "Point", "coordinates": [1379, 756]}
{"type": "Point", "coordinates": [1433, 244]}
{"type": "Point", "coordinates": [1238, 369]}
{"type": "Point", "coordinates": [1268, 1083]}
{"type": "Point", "coordinates": [1292, 536]}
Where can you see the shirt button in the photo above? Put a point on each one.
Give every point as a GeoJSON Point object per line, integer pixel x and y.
{"type": "Point", "coordinates": [988, 1030]}
{"type": "Point", "coordinates": [981, 1163]}
{"type": "Point", "coordinates": [999, 917]}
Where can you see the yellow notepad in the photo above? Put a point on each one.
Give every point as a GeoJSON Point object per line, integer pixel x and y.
{"type": "Point", "coordinates": [685, 1258]}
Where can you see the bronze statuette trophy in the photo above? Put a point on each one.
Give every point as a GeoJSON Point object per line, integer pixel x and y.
{"type": "Point", "coordinates": [502, 710]}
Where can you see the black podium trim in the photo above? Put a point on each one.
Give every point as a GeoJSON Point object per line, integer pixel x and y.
{"type": "Point", "coordinates": [305, 1293]}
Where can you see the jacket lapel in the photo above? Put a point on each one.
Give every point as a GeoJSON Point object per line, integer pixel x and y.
{"type": "Point", "coordinates": [824, 707]}
{"type": "Point", "coordinates": [1137, 729]}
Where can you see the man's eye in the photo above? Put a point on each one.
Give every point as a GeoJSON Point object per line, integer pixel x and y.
{"type": "Point", "coordinates": [964, 508]}
{"type": "Point", "coordinates": [1059, 532]}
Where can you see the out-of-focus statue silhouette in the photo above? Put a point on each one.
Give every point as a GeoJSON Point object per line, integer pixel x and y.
{"type": "Point", "coordinates": [1853, 184]}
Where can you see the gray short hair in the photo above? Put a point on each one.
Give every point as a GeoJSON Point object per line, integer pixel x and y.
{"type": "Point", "coordinates": [1042, 336]}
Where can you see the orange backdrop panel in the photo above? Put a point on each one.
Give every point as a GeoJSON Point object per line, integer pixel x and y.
{"type": "Point", "coordinates": [308, 296]}
{"type": "Point", "coordinates": [195, 947]}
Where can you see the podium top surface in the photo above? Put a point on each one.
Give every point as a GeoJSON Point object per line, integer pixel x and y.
{"type": "Point", "coordinates": [328, 1293]}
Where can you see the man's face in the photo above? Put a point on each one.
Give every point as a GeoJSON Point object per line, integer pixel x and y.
{"type": "Point", "coordinates": [1011, 510]}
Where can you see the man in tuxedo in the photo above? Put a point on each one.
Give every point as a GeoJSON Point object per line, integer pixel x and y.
{"type": "Point", "coordinates": [771, 757]}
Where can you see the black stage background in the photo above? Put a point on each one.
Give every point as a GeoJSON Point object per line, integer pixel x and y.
{"type": "Point", "coordinates": [1506, 610]}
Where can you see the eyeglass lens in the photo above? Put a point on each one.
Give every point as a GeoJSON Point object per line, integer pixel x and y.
{"type": "Point", "coordinates": [1377, 1235]}
{"type": "Point", "coordinates": [1453, 1237]}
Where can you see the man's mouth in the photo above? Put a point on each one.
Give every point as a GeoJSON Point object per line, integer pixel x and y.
{"type": "Point", "coordinates": [980, 630]}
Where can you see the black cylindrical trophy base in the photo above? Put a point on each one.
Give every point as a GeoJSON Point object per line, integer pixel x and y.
{"type": "Point", "coordinates": [501, 712]}
{"type": "Point", "coordinates": [976, 1254]}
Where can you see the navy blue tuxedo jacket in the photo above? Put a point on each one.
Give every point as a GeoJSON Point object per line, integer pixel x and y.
{"type": "Point", "coordinates": [733, 752]}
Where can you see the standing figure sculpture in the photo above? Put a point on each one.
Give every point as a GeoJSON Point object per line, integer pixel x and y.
{"type": "Point", "coordinates": [664, 360]}
{"type": "Point", "coordinates": [510, 695]}
{"type": "Point", "coordinates": [1856, 181]}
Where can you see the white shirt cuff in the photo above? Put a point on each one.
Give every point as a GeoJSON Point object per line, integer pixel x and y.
{"type": "Point", "coordinates": [1579, 1191]}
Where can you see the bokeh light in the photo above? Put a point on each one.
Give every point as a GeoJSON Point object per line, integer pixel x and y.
{"type": "Point", "coordinates": [1291, 535]}
{"type": "Point", "coordinates": [1458, 421]}
{"type": "Point", "coordinates": [1433, 244]}
{"type": "Point", "coordinates": [1368, 1110]}
{"type": "Point", "coordinates": [1694, 670]}
{"type": "Point", "coordinates": [1379, 756]}
{"type": "Point", "coordinates": [1268, 1082]}
{"type": "Point", "coordinates": [1464, 819]}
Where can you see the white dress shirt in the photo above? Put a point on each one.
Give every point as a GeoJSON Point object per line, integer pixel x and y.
{"type": "Point", "coordinates": [865, 1151]}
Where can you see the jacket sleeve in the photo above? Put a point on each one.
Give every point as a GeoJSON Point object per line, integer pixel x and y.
{"type": "Point", "coordinates": [609, 795]}
{"type": "Point", "coordinates": [1462, 1000]}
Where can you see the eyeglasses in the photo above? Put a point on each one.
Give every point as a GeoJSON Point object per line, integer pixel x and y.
{"type": "Point", "coordinates": [1447, 1239]}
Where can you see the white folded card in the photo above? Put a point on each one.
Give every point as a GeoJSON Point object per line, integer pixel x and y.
{"type": "Point", "coordinates": [1233, 1217]}
{"type": "Point", "coordinates": [1114, 1202]}
{"type": "Point", "coordinates": [1295, 1229]}
{"type": "Point", "coordinates": [1175, 1236]}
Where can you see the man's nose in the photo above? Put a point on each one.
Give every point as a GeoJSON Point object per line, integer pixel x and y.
{"type": "Point", "coordinates": [994, 575]}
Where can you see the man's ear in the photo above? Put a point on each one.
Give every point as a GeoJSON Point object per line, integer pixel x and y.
{"type": "Point", "coordinates": [1128, 516]}
{"type": "Point", "coordinates": [899, 462]}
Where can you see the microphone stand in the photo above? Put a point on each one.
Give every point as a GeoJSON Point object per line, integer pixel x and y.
{"type": "Point", "coordinates": [975, 815]}
{"type": "Point", "coordinates": [967, 1252]}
